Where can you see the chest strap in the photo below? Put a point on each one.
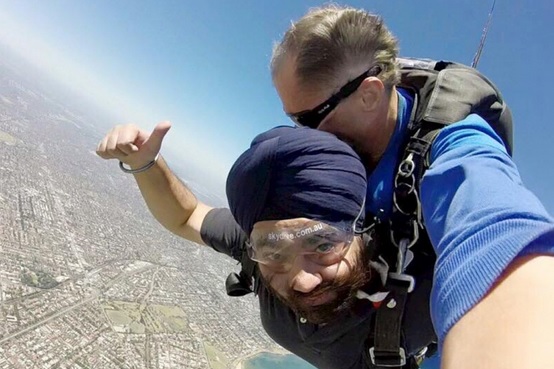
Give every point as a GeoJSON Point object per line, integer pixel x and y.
{"type": "Point", "coordinates": [388, 350]}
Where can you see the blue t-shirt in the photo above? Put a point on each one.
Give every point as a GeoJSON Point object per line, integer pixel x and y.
{"type": "Point", "coordinates": [477, 212]}
{"type": "Point", "coordinates": [479, 217]}
{"type": "Point", "coordinates": [380, 182]}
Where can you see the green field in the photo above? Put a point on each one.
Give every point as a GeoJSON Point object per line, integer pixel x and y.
{"type": "Point", "coordinates": [135, 318]}
{"type": "Point", "coordinates": [215, 358]}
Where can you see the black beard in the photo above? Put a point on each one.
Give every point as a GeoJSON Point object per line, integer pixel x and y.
{"type": "Point", "coordinates": [345, 288]}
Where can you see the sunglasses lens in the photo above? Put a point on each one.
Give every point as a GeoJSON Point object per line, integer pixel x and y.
{"type": "Point", "coordinates": [308, 120]}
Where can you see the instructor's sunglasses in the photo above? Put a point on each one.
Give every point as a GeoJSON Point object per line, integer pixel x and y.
{"type": "Point", "coordinates": [312, 118]}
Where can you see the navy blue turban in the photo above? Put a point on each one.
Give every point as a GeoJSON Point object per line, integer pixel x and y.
{"type": "Point", "coordinates": [293, 172]}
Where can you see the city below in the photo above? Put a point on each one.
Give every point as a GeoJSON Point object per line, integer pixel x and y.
{"type": "Point", "coordinates": [88, 279]}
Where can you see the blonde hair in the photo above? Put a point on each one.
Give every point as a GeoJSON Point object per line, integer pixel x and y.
{"type": "Point", "coordinates": [330, 41]}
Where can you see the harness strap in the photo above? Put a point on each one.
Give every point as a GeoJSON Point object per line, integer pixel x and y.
{"type": "Point", "coordinates": [420, 145]}
{"type": "Point", "coordinates": [387, 351]}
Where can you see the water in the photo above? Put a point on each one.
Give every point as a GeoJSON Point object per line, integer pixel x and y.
{"type": "Point", "coordinates": [276, 361]}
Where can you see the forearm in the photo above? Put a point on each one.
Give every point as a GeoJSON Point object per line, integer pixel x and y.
{"type": "Point", "coordinates": [512, 326]}
{"type": "Point", "coordinates": [168, 199]}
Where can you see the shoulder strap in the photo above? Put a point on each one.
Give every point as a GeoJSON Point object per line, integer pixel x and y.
{"type": "Point", "coordinates": [388, 350]}
{"type": "Point", "coordinates": [447, 92]}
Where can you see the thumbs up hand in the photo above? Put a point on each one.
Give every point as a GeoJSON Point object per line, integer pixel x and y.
{"type": "Point", "coordinates": [132, 145]}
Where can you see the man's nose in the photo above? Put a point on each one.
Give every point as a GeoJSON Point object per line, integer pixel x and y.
{"type": "Point", "coordinates": [305, 279]}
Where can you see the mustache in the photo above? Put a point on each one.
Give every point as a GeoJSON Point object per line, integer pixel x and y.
{"type": "Point", "coordinates": [335, 285]}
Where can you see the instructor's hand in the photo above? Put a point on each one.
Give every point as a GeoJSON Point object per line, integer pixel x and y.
{"type": "Point", "coordinates": [131, 145]}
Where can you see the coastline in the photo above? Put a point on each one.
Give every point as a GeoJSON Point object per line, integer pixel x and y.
{"type": "Point", "coordinates": [275, 351]}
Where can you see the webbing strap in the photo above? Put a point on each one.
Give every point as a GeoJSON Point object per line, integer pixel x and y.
{"type": "Point", "coordinates": [420, 145]}
{"type": "Point", "coordinates": [387, 351]}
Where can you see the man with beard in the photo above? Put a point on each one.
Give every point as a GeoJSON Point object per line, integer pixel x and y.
{"type": "Point", "coordinates": [299, 196]}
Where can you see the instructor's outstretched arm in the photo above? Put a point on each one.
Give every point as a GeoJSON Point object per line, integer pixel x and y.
{"type": "Point", "coordinates": [511, 328]}
{"type": "Point", "coordinates": [167, 197]}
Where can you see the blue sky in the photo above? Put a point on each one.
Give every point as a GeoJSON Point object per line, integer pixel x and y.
{"type": "Point", "coordinates": [204, 64]}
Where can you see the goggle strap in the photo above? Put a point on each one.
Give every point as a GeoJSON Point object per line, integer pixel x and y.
{"type": "Point", "coordinates": [355, 224]}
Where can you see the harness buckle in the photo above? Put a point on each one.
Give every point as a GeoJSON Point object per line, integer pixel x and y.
{"type": "Point", "coordinates": [401, 277]}
{"type": "Point", "coordinates": [407, 166]}
{"type": "Point", "coordinates": [388, 359]}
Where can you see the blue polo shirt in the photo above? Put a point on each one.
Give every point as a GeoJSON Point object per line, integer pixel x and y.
{"type": "Point", "coordinates": [477, 212]}
{"type": "Point", "coordinates": [479, 217]}
{"type": "Point", "coordinates": [380, 182]}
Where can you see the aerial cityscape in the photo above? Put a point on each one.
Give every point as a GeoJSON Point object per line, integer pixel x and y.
{"type": "Point", "coordinates": [88, 279]}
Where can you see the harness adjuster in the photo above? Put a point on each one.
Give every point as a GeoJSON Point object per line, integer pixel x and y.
{"type": "Point", "coordinates": [403, 278]}
{"type": "Point", "coordinates": [388, 359]}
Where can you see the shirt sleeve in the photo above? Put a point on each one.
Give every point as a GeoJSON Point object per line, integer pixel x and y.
{"type": "Point", "coordinates": [479, 217]}
{"type": "Point", "coordinates": [220, 231]}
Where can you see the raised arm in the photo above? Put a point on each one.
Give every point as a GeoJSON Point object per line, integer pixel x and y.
{"type": "Point", "coordinates": [493, 290]}
{"type": "Point", "coordinates": [167, 197]}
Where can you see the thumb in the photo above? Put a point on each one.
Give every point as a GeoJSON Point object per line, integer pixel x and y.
{"type": "Point", "coordinates": [154, 142]}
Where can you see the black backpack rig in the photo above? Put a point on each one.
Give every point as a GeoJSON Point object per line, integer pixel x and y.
{"type": "Point", "coordinates": [445, 93]}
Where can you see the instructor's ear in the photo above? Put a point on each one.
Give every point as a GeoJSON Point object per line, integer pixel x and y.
{"type": "Point", "coordinates": [373, 91]}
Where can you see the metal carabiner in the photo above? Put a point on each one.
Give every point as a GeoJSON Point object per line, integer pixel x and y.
{"type": "Point", "coordinates": [407, 166]}
{"type": "Point", "coordinates": [415, 235]}
{"type": "Point", "coordinates": [410, 185]}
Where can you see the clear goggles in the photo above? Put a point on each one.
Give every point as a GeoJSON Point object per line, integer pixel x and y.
{"type": "Point", "coordinates": [319, 242]}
